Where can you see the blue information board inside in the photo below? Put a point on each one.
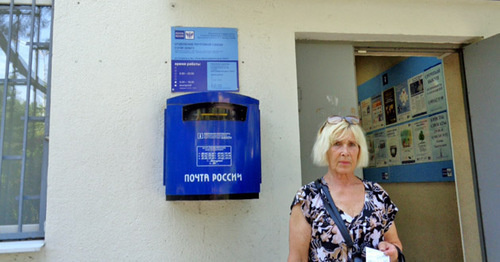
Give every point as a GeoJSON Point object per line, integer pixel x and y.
{"type": "Point", "coordinates": [404, 113]}
{"type": "Point", "coordinates": [204, 59]}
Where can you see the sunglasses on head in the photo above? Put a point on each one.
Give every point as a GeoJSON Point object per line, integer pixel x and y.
{"type": "Point", "coordinates": [332, 120]}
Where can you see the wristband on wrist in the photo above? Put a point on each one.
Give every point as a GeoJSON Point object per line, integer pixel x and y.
{"type": "Point", "coordinates": [401, 256]}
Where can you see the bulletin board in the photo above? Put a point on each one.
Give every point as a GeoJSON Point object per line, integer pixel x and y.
{"type": "Point", "coordinates": [404, 113]}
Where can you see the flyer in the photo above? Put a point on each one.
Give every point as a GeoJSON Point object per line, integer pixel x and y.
{"type": "Point", "coordinates": [378, 120]}
{"type": "Point", "coordinates": [423, 151]}
{"type": "Point", "coordinates": [380, 144]}
{"type": "Point", "coordinates": [375, 255]}
{"type": "Point", "coordinates": [393, 146]}
{"type": "Point", "coordinates": [390, 106]}
{"type": "Point", "coordinates": [434, 89]}
{"type": "Point", "coordinates": [417, 95]}
{"type": "Point", "coordinates": [440, 137]}
{"type": "Point", "coordinates": [371, 150]}
{"type": "Point", "coordinates": [407, 148]}
{"type": "Point", "coordinates": [366, 114]}
{"type": "Point", "coordinates": [403, 103]}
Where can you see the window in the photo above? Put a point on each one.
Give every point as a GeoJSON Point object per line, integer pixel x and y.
{"type": "Point", "coordinates": [25, 58]}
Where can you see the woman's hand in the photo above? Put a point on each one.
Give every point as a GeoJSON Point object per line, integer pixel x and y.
{"type": "Point", "coordinates": [389, 250]}
{"type": "Point", "coordinates": [391, 241]}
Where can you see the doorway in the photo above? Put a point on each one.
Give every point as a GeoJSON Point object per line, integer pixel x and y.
{"type": "Point", "coordinates": [429, 222]}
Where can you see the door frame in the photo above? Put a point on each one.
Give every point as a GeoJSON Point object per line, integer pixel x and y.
{"type": "Point", "coordinates": [446, 48]}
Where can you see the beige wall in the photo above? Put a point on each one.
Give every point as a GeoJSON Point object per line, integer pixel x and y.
{"type": "Point", "coordinates": [111, 76]}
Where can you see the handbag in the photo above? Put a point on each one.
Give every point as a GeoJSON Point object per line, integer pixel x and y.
{"type": "Point", "coordinates": [330, 207]}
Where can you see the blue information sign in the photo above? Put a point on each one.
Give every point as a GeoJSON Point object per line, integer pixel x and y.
{"type": "Point", "coordinates": [214, 156]}
{"type": "Point", "coordinates": [204, 59]}
{"type": "Point", "coordinates": [415, 145]}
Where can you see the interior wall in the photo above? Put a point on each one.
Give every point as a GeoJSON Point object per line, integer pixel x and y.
{"type": "Point", "coordinates": [427, 221]}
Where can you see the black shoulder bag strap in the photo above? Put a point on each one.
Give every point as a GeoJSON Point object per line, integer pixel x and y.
{"type": "Point", "coordinates": [333, 211]}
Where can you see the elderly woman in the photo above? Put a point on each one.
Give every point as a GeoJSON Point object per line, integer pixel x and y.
{"type": "Point", "coordinates": [364, 207]}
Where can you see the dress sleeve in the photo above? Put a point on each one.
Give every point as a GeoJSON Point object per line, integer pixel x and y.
{"type": "Point", "coordinates": [303, 197]}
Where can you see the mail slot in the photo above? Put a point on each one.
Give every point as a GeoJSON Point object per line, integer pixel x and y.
{"type": "Point", "coordinates": [212, 147]}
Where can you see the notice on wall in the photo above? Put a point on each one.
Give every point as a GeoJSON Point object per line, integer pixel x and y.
{"type": "Point", "coordinates": [435, 90]}
{"type": "Point", "coordinates": [366, 114]}
{"type": "Point", "coordinates": [380, 144]}
{"type": "Point", "coordinates": [378, 120]}
{"type": "Point", "coordinates": [422, 141]}
{"type": "Point", "coordinates": [393, 146]}
{"type": "Point", "coordinates": [371, 150]}
{"type": "Point", "coordinates": [407, 146]}
{"type": "Point", "coordinates": [204, 59]}
{"type": "Point", "coordinates": [390, 106]}
{"type": "Point", "coordinates": [440, 137]}
{"type": "Point", "coordinates": [417, 95]}
{"type": "Point", "coordinates": [403, 103]}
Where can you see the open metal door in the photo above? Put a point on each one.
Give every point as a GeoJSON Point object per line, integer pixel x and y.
{"type": "Point", "coordinates": [326, 78]}
{"type": "Point", "coordinates": [482, 68]}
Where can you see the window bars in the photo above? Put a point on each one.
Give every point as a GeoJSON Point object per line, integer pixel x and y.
{"type": "Point", "coordinates": [25, 57]}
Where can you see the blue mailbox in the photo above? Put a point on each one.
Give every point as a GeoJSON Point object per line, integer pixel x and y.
{"type": "Point", "coordinates": [212, 147]}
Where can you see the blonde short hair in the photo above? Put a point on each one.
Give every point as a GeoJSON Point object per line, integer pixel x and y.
{"type": "Point", "coordinates": [329, 133]}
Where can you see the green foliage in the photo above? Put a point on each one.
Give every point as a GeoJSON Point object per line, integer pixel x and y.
{"type": "Point", "coordinates": [15, 146]}
{"type": "Point", "coordinates": [10, 178]}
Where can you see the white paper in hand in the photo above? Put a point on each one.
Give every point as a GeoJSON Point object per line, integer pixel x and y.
{"type": "Point", "coordinates": [374, 255]}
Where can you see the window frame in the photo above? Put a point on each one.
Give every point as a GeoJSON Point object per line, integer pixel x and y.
{"type": "Point", "coordinates": [22, 231]}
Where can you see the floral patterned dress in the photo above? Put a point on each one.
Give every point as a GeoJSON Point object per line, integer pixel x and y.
{"type": "Point", "coordinates": [366, 229]}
